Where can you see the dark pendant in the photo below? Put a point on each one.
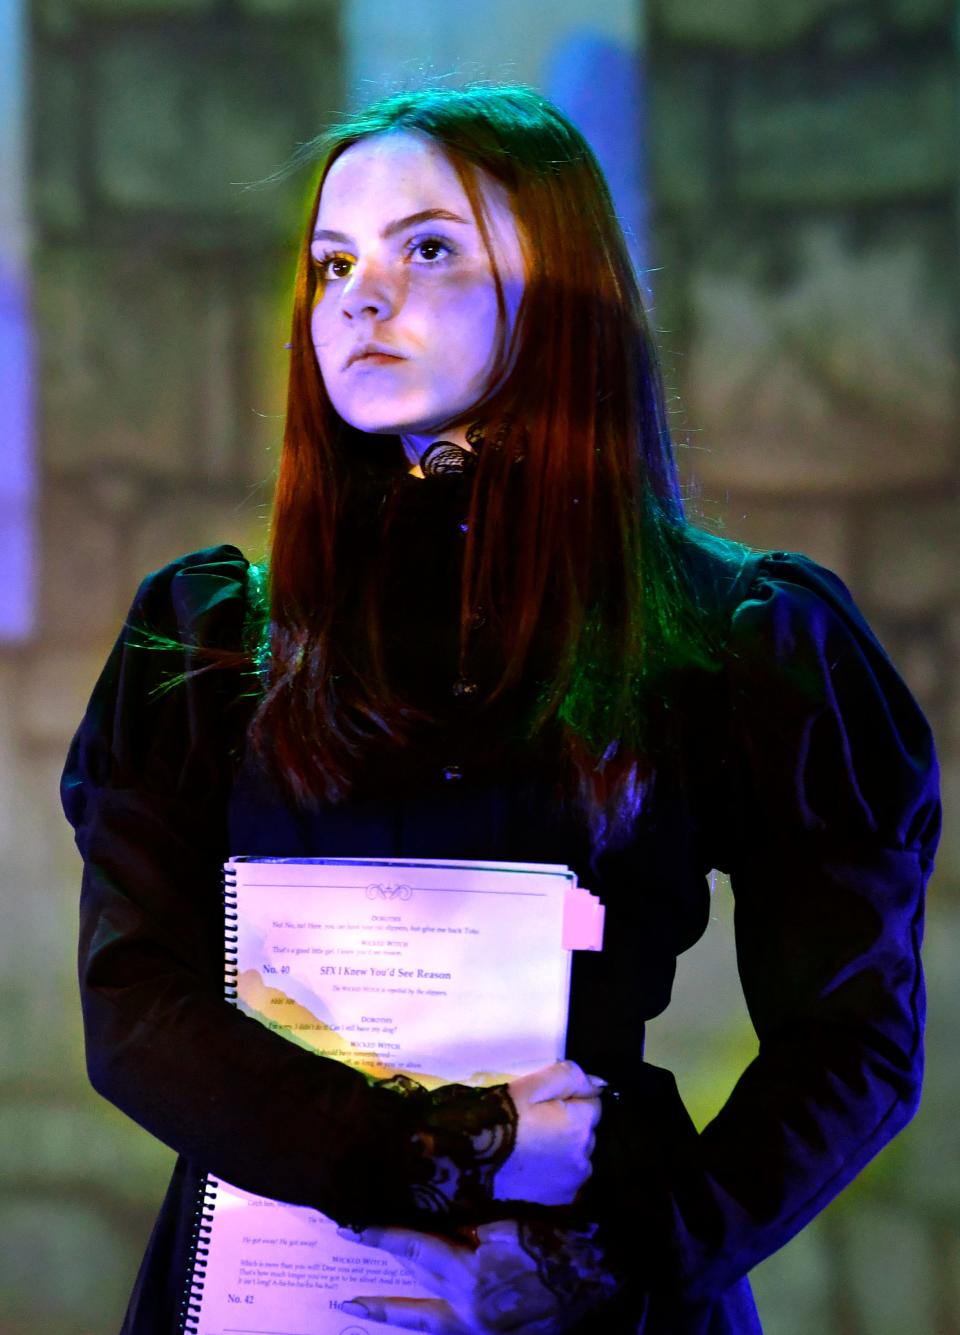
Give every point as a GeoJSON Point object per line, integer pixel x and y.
{"type": "Point", "coordinates": [443, 456]}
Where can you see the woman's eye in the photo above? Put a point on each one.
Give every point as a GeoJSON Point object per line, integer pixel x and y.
{"type": "Point", "coordinates": [332, 267]}
{"type": "Point", "coordinates": [430, 249]}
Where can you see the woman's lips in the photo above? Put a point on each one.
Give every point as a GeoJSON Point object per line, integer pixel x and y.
{"type": "Point", "coordinates": [376, 359]}
{"type": "Point", "coordinates": [373, 354]}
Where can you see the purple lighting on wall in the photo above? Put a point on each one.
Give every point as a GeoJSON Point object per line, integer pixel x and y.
{"type": "Point", "coordinates": [17, 476]}
{"type": "Point", "coordinates": [16, 471]}
{"type": "Point", "coordinates": [598, 82]}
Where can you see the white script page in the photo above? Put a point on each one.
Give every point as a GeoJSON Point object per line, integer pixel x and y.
{"type": "Point", "coordinates": [442, 971]}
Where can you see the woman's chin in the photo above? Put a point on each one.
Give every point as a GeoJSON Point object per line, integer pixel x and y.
{"type": "Point", "coordinates": [392, 420]}
{"type": "Point", "coordinates": [375, 422]}
{"type": "Point", "coordinates": [390, 426]}
{"type": "Point", "coordinates": [373, 425]}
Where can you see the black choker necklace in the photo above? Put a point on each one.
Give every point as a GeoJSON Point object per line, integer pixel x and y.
{"type": "Point", "coordinates": [443, 456]}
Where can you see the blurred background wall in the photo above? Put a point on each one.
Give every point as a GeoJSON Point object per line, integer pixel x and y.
{"type": "Point", "coordinates": [787, 173]}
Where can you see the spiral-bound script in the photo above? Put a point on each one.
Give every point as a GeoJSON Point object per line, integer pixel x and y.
{"type": "Point", "coordinates": [441, 971]}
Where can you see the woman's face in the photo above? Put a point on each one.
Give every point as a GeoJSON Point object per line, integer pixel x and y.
{"type": "Point", "coordinates": [405, 320]}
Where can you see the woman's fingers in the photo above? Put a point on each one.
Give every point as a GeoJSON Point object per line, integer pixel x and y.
{"type": "Point", "coordinates": [584, 1112]}
{"type": "Point", "coordinates": [561, 1080]}
{"type": "Point", "coordinates": [427, 1314]}
{"type": "Point", "coordinates": [499, 1231]}
{"type": "Point", "coordinates": [494, 1287]}
{"type": "Point", "coordinates": [434, 1316]}
{"type": "Point", "coordinates": [558, 1109]}
{"type": "Point", "coordinates": [425, 1255]}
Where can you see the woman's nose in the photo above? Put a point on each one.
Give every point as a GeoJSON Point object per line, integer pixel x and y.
{"type": "Point", "coordinates": [368, 291]}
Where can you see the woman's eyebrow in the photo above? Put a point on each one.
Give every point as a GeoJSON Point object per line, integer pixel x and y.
{"type": "Point", "coordinates": [391, 229]}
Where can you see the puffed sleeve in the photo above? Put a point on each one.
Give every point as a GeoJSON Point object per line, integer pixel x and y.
{"type": "Point", "coordinates": [827, 816]}
{"type": "Point", "coordinates": [145, 787]}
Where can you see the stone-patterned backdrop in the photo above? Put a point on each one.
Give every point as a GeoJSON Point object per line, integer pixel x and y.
{"type": "Point", "coordinates": [161, 293]}
{"type": "Point", "coordinates": [804, 190]}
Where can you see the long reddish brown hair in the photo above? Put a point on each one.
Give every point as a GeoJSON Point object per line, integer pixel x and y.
{"type": "Point", "coordinates": [580, 531]}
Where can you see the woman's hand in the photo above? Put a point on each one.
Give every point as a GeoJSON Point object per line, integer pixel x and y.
{"type": "Point", "coordinates": [494, 1286]}
{"type": "Point", "coordinates": [558, 1108]}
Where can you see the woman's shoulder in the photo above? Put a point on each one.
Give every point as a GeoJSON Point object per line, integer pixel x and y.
{"type": "Point", "coordinates": [737, 585]}
{"type": "Point", "coordinates": [210, 568]}
{"type": "Point", "coordinates": [819, 714]}
{"type": "Point", "coordinates": [154, 721]}
{"type": "Point", "coordinates": [200, 596]}
{"type": "Point", "coordinates": [717, 571]}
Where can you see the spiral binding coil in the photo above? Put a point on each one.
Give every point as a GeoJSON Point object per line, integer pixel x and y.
{"type": "Point", "coordinates": [197, 1257]}
{"type": "Point", "coordinates": [230, 934]}
{"type": "Point", "coordinates": [207, 1195]}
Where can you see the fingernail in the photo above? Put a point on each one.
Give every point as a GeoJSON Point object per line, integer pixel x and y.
{"type": "Point", "coordinates": [353, 1308]}
{"type": "Point", "coordinates": [598, 1082]}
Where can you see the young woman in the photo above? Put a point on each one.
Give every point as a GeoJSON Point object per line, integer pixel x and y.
{"type": "Point", "coordinates": [487, 631]}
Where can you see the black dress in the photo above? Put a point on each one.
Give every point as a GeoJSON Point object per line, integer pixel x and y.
{"type": "Point", "coordinates": [810, 777]}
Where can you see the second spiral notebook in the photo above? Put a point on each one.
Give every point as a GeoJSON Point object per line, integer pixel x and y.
{"type": "Point", "coordinates": [440, 970]}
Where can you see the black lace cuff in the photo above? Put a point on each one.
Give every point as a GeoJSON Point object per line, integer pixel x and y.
{"type": "Point", "coordinates": [572, 1264]}
{"type": "Point", "coordinates": [534, 1278]}
{"type": "Point", "coordinates": [462, 1137]}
